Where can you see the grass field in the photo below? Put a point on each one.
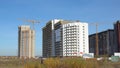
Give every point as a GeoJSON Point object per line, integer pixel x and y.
{"type": "Point", "coordinates": [58, 63]}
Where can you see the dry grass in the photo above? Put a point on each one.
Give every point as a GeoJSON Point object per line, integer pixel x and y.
{"type": "Point", "coordinates": [30, 64]}
{"type": "Point", "coordinates": [52, 63]}
{"type": "Point", "coordinates": [59, 63]}
{"type": "Point", "coordinates": [70, 63]}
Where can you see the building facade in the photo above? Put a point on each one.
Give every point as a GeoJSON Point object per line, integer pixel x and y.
{"type": "Point", "coordinates": [75, 39]}
{"type": "Point", "coordinates": [117, 35]}
{"type": "Point", "coordinates": [48, 39]}
{"type": "Point", "coordinates": [58, 39]}
{"type": "Point", "coordinates": [26, 42]}
{"type": "Point", "coordinates": [67, 38]}
{"type": "Point", "coordinates": [106, 43]}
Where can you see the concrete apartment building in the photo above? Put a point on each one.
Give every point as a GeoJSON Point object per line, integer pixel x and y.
{"type": "Point", "coordinates": [109, 41]}
{"type": "Point", "coordinates": [26, 42]}
{"type": "Point", "coordinates": [48, 39]}
{"type": "Point", "coordinates": [75, 39]}
{"type": "Point", "coordinates": [65, 38]}
{"type": "Point", "coordinates": [117, 35]}
{"type": "Point", "coordinates": [106, 44]}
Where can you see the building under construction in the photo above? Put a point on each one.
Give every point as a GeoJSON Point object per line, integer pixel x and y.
{"type": "Point", "coordinates": [106, 43]}
{"type": "Point", "coordinates": [26, 42]}
{"type": "Point", "coordinates": [117, 35]}
{"type": "Point", "coordinates": [65, 38]}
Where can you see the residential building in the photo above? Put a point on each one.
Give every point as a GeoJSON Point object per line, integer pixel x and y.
{"type": "Point", "coordinates": [117, 35]}
{"type": "Point", "coordinates": [26, 42]}
{"type": "Point", "coordinates": [106, 43]}
{"type": "Point", "coordinates": [75, 39]}
{"type": "Point", "coordinates": [65, 38]}
{"type": "Point", "coordinates": [48, 39]}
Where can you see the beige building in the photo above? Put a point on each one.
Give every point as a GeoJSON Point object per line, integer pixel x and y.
{"type": "Point", "coordinates": [26, 42]}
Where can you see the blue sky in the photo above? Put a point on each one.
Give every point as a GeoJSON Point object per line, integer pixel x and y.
{"type": "Point", "coordinates": [104, 12]}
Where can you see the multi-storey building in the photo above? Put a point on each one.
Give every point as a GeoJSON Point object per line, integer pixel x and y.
{"type": "Point", "coordinates": [66, 38]}
{"type": "Point", "coordinates": [75, 39]}
{"type": "Point", "coordinates": [106, 43]}
{"type": "Point", "coordinates": [58, 39]}
{"type": "Point", "coordinates": [117, 35]}
{"type": "Point", "coordinates": [48, 39]}
{"type": "Point", "coordinates": [26, 42]}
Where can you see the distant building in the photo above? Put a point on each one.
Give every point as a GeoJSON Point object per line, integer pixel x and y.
{"type": "Point", "coordinates": [26, 42]}
{"type": "Point", "coordinates": [65, 38]}
{"type": "Point", "coordinates": [117, 35]}
{"type": "Point", "coordinates": [106, 43]}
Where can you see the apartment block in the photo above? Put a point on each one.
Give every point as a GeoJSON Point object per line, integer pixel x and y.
{"type": "Point", "coordinates": [117, 35]}
{"type": "Point", "coordinates": [75, 39]}
{"type": "Point", "coordinates": [48, 39]}
{"type": "Point", "coordinates": [65, 38]}
{"type": "Point", "coordinates": [106, 43]}
{"type": "Point", "coordinates": [26, 42]}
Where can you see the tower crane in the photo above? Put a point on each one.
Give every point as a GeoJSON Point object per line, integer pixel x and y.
{"type": "Point", "coordinates": [31, 21]}
{"type": "Point", "coordinates": [96, 38]}
{"type": "Point", "coordinates": [33, 24]}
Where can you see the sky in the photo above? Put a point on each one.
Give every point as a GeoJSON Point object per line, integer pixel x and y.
{"type": "Point", "coordinates": [103, 12]}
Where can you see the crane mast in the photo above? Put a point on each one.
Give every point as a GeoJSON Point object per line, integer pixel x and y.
{"type": "Point", "coordinates": [96, 40]}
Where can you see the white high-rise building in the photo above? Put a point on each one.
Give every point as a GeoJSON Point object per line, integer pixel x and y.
{"type": "Point", "coordinates": [75, 39]}
{"type": "Point", "coordinates": [26, 42]}
{"type": "Point", "coordinates": [68, 38]}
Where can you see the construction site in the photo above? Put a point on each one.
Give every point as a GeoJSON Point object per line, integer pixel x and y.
{"type": "Point", "coordinates": [26, 40]}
